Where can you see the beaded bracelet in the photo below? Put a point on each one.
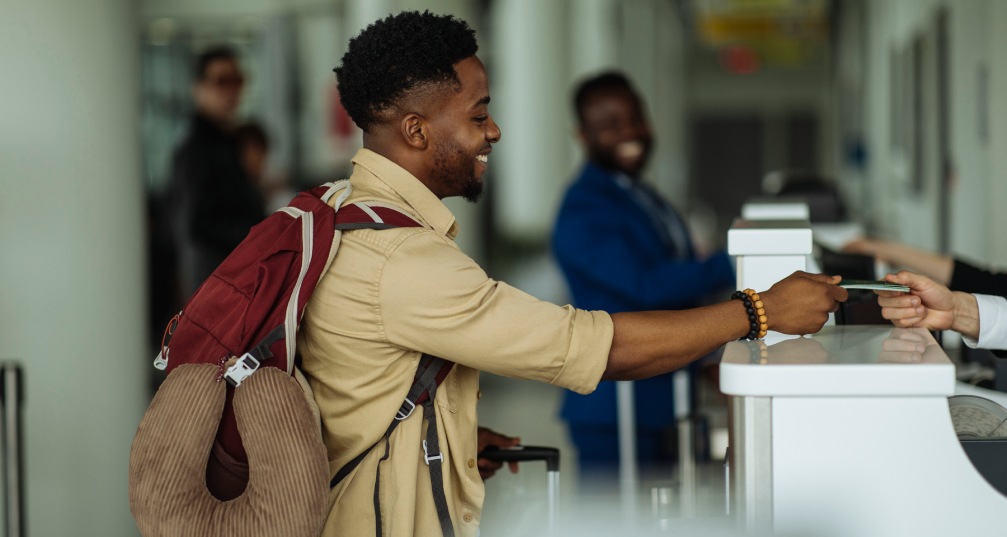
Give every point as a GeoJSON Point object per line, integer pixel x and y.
{"type": "Point", "coordinates": [758, 322]}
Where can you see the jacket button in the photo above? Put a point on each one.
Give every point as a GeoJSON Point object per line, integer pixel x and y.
{"type": "Point", "coordinates": [467, 517]}
{"type": "Point", "coordinates": [479, 394]}
{"type": "Point", "coordinates": [472, 463]}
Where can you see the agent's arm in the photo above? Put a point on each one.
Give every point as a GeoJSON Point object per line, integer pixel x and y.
{"type": "Point", "coordinates": [936, 266]}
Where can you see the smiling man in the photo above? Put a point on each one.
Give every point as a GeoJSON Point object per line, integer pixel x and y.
{"type": "Point", "coordinates": [622, 247]}
{"type": "Point", "coordinates": [414, 85]}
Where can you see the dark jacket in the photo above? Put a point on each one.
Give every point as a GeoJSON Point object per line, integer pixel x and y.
{"type": "Point", "coordinates": [616, 258]}
{"type": "Point", "coordinates": [212, 202]}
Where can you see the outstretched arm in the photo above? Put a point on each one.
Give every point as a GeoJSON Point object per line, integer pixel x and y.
{"type": "Point", "coordinates": [936, 266]}
{"type": "Point", "coordinates": [654, 342]}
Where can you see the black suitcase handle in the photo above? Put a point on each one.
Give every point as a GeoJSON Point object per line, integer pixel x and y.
{"type": "Point", "coordinates": [524, 453]}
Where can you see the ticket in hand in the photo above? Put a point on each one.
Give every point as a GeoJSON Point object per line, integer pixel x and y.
{"type": "Point", "coordinates": [874, 285]}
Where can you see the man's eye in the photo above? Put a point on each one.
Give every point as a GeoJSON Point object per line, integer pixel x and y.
{"type": "Point", "coordinates": [481, 119]}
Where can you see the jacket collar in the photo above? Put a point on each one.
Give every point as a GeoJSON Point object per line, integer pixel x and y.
{"type": "Point", "coordinates": [595, 174]}
{"type": "Point", "coordinates": [427, 206]}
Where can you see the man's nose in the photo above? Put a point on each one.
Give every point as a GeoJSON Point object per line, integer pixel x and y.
{"type": "Point", "coordinates": [493, 133]}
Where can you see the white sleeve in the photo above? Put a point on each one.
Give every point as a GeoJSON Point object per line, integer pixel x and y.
{"type": "Point", "coordinates": [992, 323]}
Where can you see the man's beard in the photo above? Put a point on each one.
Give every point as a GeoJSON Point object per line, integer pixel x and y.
{"type": "Point", "coordinates": [455, 170]}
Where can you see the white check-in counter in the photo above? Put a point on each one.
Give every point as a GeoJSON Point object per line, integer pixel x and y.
{"type": "Point", "coordinates": [848, 433]}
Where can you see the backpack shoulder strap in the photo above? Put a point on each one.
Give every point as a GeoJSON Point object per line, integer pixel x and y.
{"type": "Point", "coordinates": [373, 215]}
{"type": "Point", "coordinates": [430, 373]}
{"type": "Point", "coordinates": [362, 214]}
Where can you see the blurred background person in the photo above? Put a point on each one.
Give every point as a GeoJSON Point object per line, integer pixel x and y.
{"type": "Point", "coordinates": [253, 150]}
{"type": "Point", "coordinates": [622, 247]}
{"type": "Point", "coordinates": [212, 202]}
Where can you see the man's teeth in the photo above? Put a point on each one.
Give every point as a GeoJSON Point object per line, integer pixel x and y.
{"type": "Point", "coordinates": [483, 158]}
{"type": "Point", "coordinates": [629, 149]}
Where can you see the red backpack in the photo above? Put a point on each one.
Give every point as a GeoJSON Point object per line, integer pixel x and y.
{"type": "Point", "coordinates": [242, 319]}
{"type": "Point", "coordinates": [253, 314]}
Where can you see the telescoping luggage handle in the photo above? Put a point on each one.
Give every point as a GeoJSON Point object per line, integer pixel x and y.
{"type": "Point", "coordinates": [524, 453]}
{"type": "Point", "coordinates": [534, 453]}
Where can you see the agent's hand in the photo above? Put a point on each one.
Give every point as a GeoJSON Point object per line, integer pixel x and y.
{"type": "Point", "coordinates": [801, 303]}
{"type": "Point", "coordinates": [928, 304]}
{"type": "Point", "coordinates": [486, 438]}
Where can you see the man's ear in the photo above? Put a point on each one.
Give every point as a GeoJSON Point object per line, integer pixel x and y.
{"type": "Point", "coordinates": [414, 130]}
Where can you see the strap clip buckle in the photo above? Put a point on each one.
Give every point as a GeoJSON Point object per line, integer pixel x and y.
{"type": "Point", "coordinates": [403, 413]}
{"type": "Point", "coordinates": [426, 455]}
{"type": "Point", "coordinates": [241, 370]}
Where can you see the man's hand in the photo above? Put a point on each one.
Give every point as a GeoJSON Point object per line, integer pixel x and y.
{"type": "Point", "coordinates": [801, 303]}
{"type": "Point", "coordinates": [486, 438]}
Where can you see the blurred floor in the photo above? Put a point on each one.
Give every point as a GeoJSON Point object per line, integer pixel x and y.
{"type": "Point", "coordinates": [516, 504]}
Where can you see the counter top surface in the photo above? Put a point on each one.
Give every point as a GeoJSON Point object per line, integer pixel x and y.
{"type": "Point", "coordinates": [864, 360]}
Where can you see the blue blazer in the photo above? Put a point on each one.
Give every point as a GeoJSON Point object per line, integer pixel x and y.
{"type": "Point", "coordinates": [615, 260]}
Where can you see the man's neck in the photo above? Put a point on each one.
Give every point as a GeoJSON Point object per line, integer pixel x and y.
{"type": "Point", "coordinates": [615, 172]}
{"type": "Point", "coordinates": [400, 156]}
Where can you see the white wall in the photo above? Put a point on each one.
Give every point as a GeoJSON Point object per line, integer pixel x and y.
{"type": "Point", "coordinates": [992, 210]}
{"type": "Point", "coordinates": [977, 128]}
{"type": "Point", "coordinates": [72, 270]}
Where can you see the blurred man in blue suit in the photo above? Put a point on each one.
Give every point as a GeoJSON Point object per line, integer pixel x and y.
{"type": "Point", "coordinates": [624, 248]}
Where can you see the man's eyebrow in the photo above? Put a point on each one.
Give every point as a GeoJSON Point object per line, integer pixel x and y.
{"type": "Point", "coordinates": [481, 102]}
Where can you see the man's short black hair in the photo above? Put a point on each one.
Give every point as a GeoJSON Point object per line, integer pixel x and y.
{"type": "Point", "coordinates": [398, 54]}
{"type": "Point", "coordinates": [606, 81]}
{"type": "Point", "coordinates": [210, 55]}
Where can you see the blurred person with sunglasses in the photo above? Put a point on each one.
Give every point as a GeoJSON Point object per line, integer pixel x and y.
{"type": "Point", "coordinates": [212, 203]}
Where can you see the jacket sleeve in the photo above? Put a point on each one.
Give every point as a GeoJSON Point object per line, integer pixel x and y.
{"type": "Point", "coordinates": [596, 249]}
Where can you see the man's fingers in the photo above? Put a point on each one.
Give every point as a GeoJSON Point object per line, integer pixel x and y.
{"type": "Point", "coordinates": [838, 293]}
{"type": "Point", "coordinates": [824, 278]}
{"type": "Point", "coordinates": [488, 465]}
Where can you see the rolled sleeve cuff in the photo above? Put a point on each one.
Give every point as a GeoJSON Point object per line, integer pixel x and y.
{"type": "Point", "coordinates": [587, 355]}
{"type": "Point", "coordinates": [992, 323]}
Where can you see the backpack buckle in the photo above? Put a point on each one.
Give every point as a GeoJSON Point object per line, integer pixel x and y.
{"type": "Point", "coordinates": [403, 413]}
{"type": "Point", "coordinates": [241, 370]}
{"type": "Point", "coordinates": [426, 455]}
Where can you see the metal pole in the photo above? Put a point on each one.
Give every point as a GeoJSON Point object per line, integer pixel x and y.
{"type": "Point", "coordinates": [629, 471]}
{"type": "Point", "coordinates": [13, 463]}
